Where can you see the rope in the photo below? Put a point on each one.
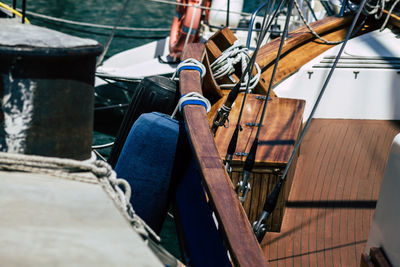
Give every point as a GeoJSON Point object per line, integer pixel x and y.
{"type": "Point", "coordinates": [189, 64]}
{"type": "Point", "coordinates": [375, 9]}
{"type": "Point", "coordinates": [225, 65]}
{"type": "Point", "coordinates": [192, 98]}
{"type": "Point", "coordinates": [12, 10]}
{"type": "Point", "coordinates": [388, 15]}
{"type": "Point", "coordinates": [103, 145]}
{"type": "Point", "coordinates": [190, 28]}
{"type": "Point", "coordinates": [100, 26]}
{"type": "Point", "coordinates": [118, 189]}
{"type": "Point", "coordinates": [311, 29]}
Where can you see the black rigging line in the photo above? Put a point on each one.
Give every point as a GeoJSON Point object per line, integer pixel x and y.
{"type": "Point", "coordinates": [222, 114]}
{"type": "Point", "coordinates": [266, 24]}
{"type": "Point", "coordinates": [270, 202]}
{"type": "Point", "coordinates": [227, 13]}
{"type": "Point", "coordinates": [23, 10]}
{"type": "Point", "coordinates": [101, 57]}
{"type": "Point", "coordinates": [311, 10]}
{"type": "Point", "coordinates": [243, 187]}
{"type": "Point", "coordinates": [14, 6]}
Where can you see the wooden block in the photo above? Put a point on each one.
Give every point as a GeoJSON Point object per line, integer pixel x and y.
{"type": "Point", "coordinates": [378, 257]}
{"type": "Point", "coordinates": [366, 260]}
{"type": "Point", "coordinates": [279, 133]}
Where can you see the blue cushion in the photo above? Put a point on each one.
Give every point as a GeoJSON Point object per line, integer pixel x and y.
{"type": "Point", "coordinates": [146, 162]}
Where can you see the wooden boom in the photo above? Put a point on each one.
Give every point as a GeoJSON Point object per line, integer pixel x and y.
{"type": "Point", "coordinates": [236, 229]}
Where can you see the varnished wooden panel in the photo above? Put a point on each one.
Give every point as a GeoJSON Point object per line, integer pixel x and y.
{"type": "Point", "coordinates": [278, 134]}
{"type": "Point", "coordinates": [267, 53]}
{"type": "Point", "coordinates": [233, 223]}
{"type": "Point", "coordinates": [334, 192]}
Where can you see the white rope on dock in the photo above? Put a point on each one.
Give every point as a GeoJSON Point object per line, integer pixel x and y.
{"type": "Point", "coordinates": [118, 189]}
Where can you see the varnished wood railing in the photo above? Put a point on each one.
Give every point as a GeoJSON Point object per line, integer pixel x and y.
{"type": "Point", "coordinates": [293, 53]}
{"type": "Point", "coordinates": [236, 229]}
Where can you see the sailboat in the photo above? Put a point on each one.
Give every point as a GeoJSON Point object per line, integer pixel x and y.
{"type": "Point", "coordinates": [341, 168]}
{"type": "Point", "coordinates": [202, 19]}
{"type": "Point", "coordinates": [337, 205]}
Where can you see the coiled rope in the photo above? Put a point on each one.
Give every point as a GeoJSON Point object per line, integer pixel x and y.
{"type": "Point", "coordinates": [225, 65]}
{"type": "Point", "coordinates": [118, 189]}
{"type": "Point", "coordinates": [192, 98]}
{"type": "Point", "coordinates": [202, 7]}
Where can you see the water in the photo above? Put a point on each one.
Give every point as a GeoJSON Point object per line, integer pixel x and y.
{"type": "Point", "coordinates": [140, 13]}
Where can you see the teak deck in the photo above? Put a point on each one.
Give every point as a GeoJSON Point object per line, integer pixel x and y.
{"type": "Point", "coordinates": [334, 193]}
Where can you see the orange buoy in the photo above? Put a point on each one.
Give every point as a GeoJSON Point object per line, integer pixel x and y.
{"type": "Point", "coordinates": [185, 26]}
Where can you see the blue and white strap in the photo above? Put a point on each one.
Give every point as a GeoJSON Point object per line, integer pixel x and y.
{"type": "Point", "coordinates": [189, 64]}
{"type": "Point", "coordinates": [192, 98]}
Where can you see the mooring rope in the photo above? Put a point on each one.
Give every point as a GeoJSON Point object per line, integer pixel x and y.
{"type": "Point", "coordinates": [118, 189]}
{"type": "Point", "coordinates": [225, 65]}
{"type": "Point", "coordinates": [99, 26]}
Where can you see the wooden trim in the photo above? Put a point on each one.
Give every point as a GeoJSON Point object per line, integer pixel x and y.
{"type": "Point", "coordinates": [267, 53]}
{"type": "Point", "coordinates": [394, 19]}
{"type": "Point", "coordinates": [301, 47]}
{"type": "Point", "coordinates": [236, 229]}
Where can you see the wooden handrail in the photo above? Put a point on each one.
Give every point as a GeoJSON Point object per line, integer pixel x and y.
{"type": "Point", "coordinates": [300, 40]}
{"type": "Point", "coordinates": [267, 53]}
{"type": "Point", "coordinates": [234, 225]}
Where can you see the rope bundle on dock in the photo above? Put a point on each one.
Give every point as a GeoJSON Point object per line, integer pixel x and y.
{"type": "Point", "coordinates": [88, 171]}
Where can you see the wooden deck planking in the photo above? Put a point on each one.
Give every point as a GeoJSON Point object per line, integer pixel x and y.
{"type": "Point", "coordinates": [335, 188]}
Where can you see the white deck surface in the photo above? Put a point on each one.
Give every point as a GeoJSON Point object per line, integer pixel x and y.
{"type": "Point", "coordinates": [47, 221]}
{"type": "Point", "coordinates": [365, 85]}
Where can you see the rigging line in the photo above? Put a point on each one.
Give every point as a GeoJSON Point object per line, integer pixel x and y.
{"type": "Point", "coordinates": [243, 187]}
{"type": "Point", "coordinates": [311, 29]}
{"type": "Point", "coordinates": [388, 15]}
{"type": "Point", "coordinates": [92, 25]}
{"type": "Point", "coordinates": [270, 202]}
{"type": "Point", "coordinates": [311, 10]}
{"type": "Point", "coordinates": [101, 57]}
{"type": "Point", "coordinates": [227, 13]}
{"type": "Point", "coordinates": [222, 114]}
{"type": "Point", "coordinates": [13, 11]}
{"type": "Point", "coordinates": [202, 7]}
{"type": "Point", "coordinates": [107, 80]}
{"type": "Point", "coordinates": [264, 29]}
{"type": "Point", "coordinates": [23, 10]}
